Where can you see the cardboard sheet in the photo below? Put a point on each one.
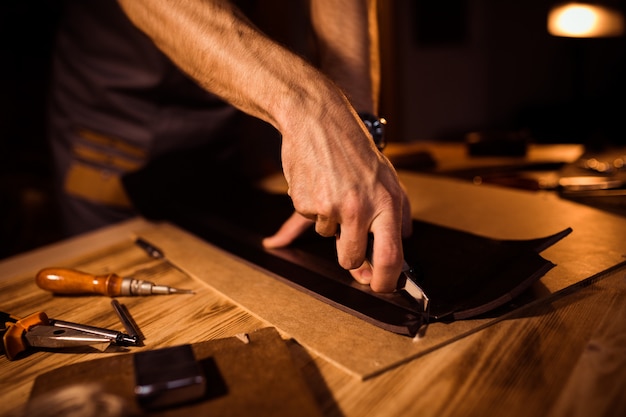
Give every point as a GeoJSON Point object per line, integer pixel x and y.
{"type": "Point", "coordinates": [350, 343]}
{"type": "Point", "coordinates": [354, 345]}
{"type": "Point", "coordinates": [464, 275]}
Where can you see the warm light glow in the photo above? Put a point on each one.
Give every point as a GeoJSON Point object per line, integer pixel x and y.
{"type": "Point", "coordinates": [584, 20]}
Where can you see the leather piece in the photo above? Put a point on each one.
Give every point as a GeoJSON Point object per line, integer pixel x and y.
{"type": "Point", "coordinates": [258, 377]}
{"type": "Point", "coordinates": [464, 275]}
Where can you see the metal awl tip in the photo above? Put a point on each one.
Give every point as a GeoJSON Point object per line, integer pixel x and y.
{"type": "Point", "coordinates": [164, 289]}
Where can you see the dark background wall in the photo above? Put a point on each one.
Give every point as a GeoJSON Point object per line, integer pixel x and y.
{"type": "Point", "coordinates": [449, 67]}
{"type": "Point", "coordinates": [27, 215]}
{"type": "Point", "coordinates": [460, 65]}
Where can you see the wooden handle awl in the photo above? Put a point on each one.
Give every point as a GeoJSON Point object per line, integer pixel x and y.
{"type": "Point", "coordinates": [71, 281]}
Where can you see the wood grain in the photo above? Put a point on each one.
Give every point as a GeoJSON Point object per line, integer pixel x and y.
{"type": "Point", "coordinates": [524, 365]}
{"type": "Point", "coordinates": [541, 358]}
{"type": "Point", "coordinates": [164, 320]}
{"type": "Point", "coordinates": [348, 342]}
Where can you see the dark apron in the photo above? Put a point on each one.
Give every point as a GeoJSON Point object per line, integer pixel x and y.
{"type": "Point", "coordinates": [116, 103]}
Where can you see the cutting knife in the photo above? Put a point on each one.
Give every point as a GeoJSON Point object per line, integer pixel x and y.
{"type": "Point", "coordinates": [408, 286]}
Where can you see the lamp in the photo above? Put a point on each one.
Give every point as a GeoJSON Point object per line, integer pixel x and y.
{"type": "Point", "coordinates": [586, 26]}
{"type": "Point", "coordinates": [585, 20]}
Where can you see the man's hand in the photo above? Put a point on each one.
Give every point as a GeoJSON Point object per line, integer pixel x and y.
{"type": "Point", "coordinates": [340, 182]}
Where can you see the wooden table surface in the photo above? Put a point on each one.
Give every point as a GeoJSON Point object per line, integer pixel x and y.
{"type": "Point", "coordinates": [563, 355]}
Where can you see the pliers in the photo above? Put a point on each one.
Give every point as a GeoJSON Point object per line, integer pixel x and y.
{"type": "Point", "coordinates": [38, 331]}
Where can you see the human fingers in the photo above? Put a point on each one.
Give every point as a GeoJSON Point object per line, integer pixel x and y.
{"type": "Point", "coordinates": [352, 244]}
{"type": "Point", "coordinates": [325, 226]}
{"type": "Point", "coordinates": [387, 256]}
{"type": "Point", "coordinates": [379, 267]}
{"type": "Point", "coordinates": [363, 274]}
{"type": "Point", "coordinates": [293, 227]}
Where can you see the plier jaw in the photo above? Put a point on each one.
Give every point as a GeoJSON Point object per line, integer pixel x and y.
{"type": "Point", "coordinates": [55, 337]}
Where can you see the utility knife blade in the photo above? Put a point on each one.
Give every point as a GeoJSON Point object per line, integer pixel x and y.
{"type": "Point", "coordinates": [408, 286]}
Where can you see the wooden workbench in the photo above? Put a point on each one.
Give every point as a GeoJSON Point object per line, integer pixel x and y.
{"type": "Point", "coordinates": [564, 354]}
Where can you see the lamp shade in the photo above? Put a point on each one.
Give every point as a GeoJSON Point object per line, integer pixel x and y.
{"type": "Point", "coordinates": [585, 20]}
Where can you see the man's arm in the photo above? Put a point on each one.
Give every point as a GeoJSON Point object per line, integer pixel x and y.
{"type": "Point", "coordinates": [335, 174]}
{"type": "Point", "coordinates": [348, 45]}
{"type": "Point", "coordinates": [347, 38]}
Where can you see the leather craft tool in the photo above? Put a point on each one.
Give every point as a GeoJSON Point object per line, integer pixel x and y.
{"type": "Point", "coordinates": [38, 331]}
{"type": "Point", "coordinates": [156, 253]}
{"type": "Point", "coordinates": [167, 377]}
{"type": "Point", "coordinates": [126, 319]}
{"type": "Point", "coordinates": [408, 286]}
{"type": "Point", "coordinates": [71, 281]}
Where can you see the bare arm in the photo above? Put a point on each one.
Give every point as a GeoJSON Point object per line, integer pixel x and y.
{"type": "Point", "coordinates": [214, 43]}
{"type": "Point", "coordinates": [335, 174]}
{"type": "Point", "coordinates": [347, 35]}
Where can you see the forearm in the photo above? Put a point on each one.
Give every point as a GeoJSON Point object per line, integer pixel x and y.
{"type": "Point", "coordinates": [216, 45]}
{"type": "Point", "coordinates": [347, 34]}
{"type": "Point", "coordinates": [336, 175]}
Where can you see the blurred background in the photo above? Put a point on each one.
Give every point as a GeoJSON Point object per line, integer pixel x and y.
{"type": "Point", "coordinates": [454, 66]}
{"type": "Point", "coordinates": [450, 67]}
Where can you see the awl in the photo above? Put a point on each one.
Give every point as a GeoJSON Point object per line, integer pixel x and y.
{"type": "Point", "coordinates": [71, 281]}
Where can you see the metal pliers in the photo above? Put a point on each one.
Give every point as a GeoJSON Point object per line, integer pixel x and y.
{"type": "Point", "coordinates": [37, 330]}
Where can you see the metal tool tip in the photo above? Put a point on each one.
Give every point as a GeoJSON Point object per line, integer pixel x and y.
{"type": "Point", "coordinates": [131, 340]}
{"type": "Point", "coordinates": [164, 289]}
{"type": "Point", "coordinates": [181, 291]}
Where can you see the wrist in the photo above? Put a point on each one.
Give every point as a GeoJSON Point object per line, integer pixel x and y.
{"type": "Point", "coordinates": [316, 98]}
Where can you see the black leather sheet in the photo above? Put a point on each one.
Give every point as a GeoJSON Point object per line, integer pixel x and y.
{"type": "Point", "coordinates": [464, 275]}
